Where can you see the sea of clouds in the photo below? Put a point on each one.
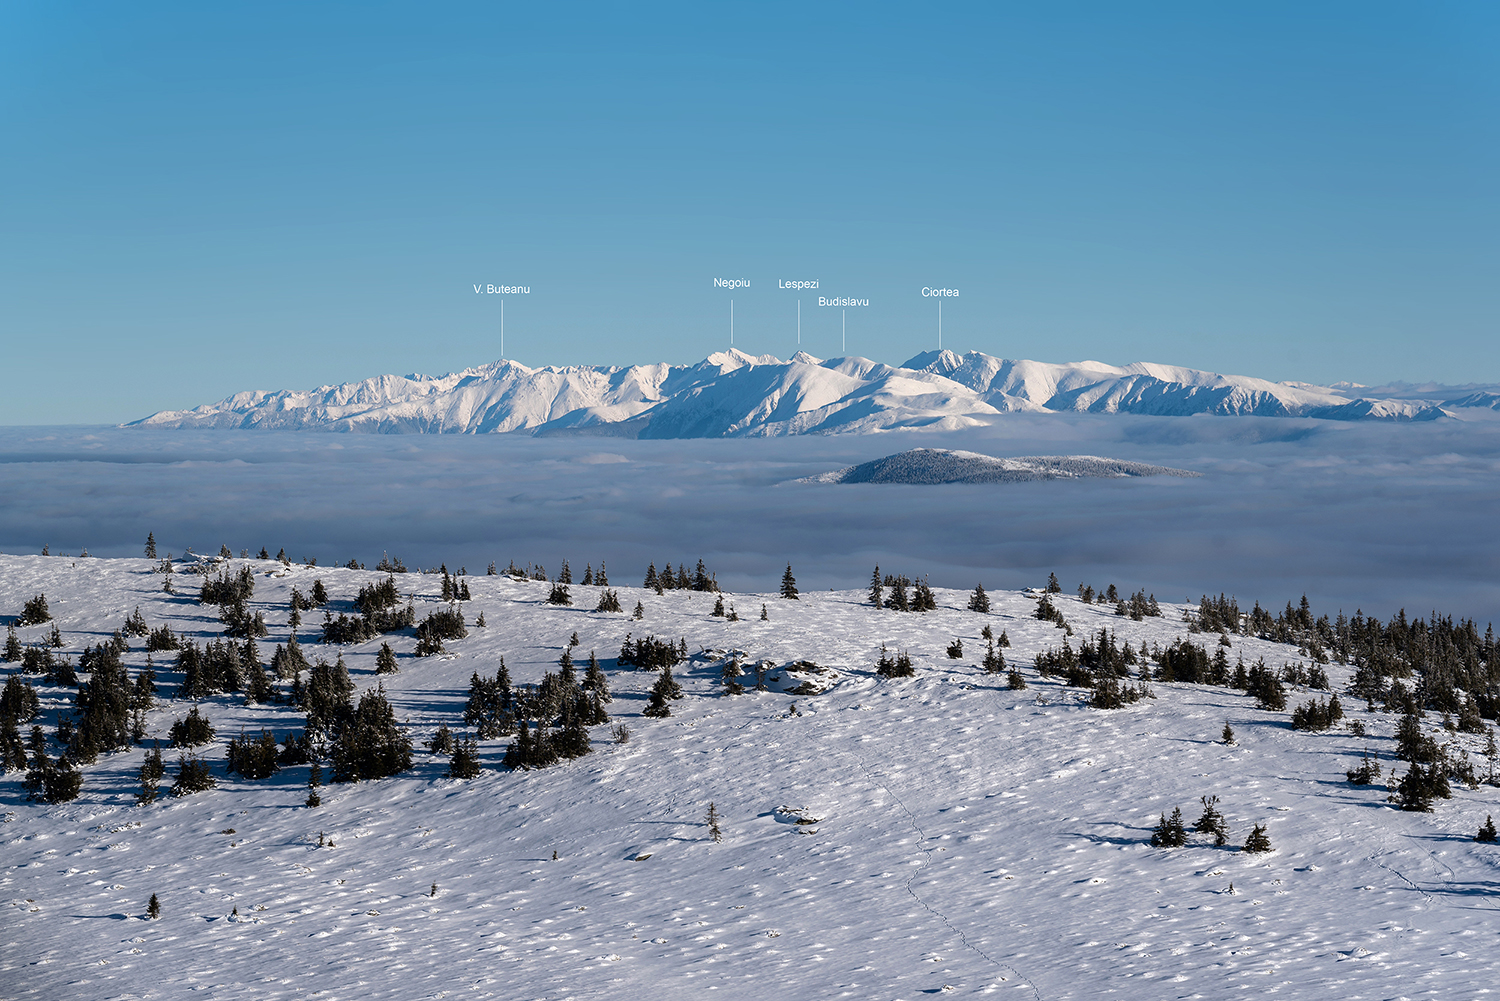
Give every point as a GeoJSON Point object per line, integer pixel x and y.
{"type": "Point", "coordinates": [1378, 517]}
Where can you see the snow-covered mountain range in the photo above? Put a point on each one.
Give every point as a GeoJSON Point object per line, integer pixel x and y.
{"type": "Point", "coordinates": [732, 394]}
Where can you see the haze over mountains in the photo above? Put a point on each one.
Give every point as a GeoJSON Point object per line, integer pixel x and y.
{"type": "Point", "coordinates": [732, 394]}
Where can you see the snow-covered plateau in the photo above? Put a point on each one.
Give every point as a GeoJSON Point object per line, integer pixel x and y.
{"type": "Point", "coordinates": [733, 394]}
{"type": "Point", "coordinates": [939, 834]}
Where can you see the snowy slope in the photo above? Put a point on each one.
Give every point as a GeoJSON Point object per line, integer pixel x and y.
{"type": "Point", "coordinates": [733, 394]}
{"type": "Point", "coordinates": [970, 839]}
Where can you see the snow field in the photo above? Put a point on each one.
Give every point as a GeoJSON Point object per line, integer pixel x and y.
{"type": "Point", "coordinates": [969, 839]}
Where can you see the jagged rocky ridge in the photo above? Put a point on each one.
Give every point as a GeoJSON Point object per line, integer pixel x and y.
{"type": "Point", "coordinates": [942, 465]}
{"type": "Point", "coordinates": [732, 394]}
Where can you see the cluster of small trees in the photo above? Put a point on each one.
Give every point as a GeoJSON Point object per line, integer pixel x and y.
{"type": "Point", "coordinates": [552, 720]}
{"type": "Point", "coordinates": [1171, 832]}
{"type": "Point", "coordinates": [1100, 665]}
{"type": "Point", "coordinates": [664, 580]}
{"type": "Point", "coordinates": [897, 666]}
{"type": "Point", "coordinates": [379, 611]}
{"type": "Point", "coordinates": [901, 593]}
{"type": "Point", "coordinates": [490, 703]}
{"type": "Point", "coordinates": [1316, 714]}
{"type": "Point", "coordinates": [651, 654]}
{"type": "Point", "coordinates": [1137, 607]}
{"type": "Point", "coordinates": [1048, 612]}
{"type": "Point", "coordinates": [444, 624]}
{"type": "Point", "coordinates": [457, 588]}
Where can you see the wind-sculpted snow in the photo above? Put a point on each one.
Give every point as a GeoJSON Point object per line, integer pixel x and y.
{"type": "Point", "coordinates": [732, 394]}
{"type": "Point", "coordinates": [942, 465]}
{"type": "Point", "coordinates": [939, 835]}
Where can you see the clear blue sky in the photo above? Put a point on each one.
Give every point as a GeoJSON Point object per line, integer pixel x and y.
{"type": "Point", "coordinates": [203, 198]}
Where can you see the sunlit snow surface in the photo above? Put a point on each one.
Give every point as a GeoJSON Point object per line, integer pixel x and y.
{"type": "Point", "coordinates": [970, 839]}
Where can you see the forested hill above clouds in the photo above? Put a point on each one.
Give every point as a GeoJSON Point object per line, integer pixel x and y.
{"type": "Point", "coordinates": [732, 394]}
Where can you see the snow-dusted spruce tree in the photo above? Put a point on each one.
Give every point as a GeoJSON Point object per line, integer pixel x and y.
{"type": "Point", "coordinates": [1053, 587]}
{"type": "Point", "coordinates": [1212, 821]}
{"type": "Point", "coordinates": [35, 612]}
{"type": "Point", "coordinates": [465, 762]}
{"type": "Point", "coordinates": [385, 660]}
{"type": "Point", "coordinates": [731, 676]}
{"type": "Point", "coordinates": [877, 589]}
{"type": "Point", "coordinates": [595, 680]}
{"type": "Point", "coordinates": [152, 770]}
{"type": "Point", "coordinates": [979, 601]}
{"type": "Point", "coordinates": [193, 776]}
{"type": "Point", "coordinates": [150, 545]}
{"type": "Point", "coordinates": [788, 584]}
{"type": "Point", "coordinates": [1169, 832]}
{"type": "Point", "coordinates": [1487, 833]}
{"type": "Point", "coordinates": [1258, 841]}
{"type": "Point", "coordinates": [370, 745]}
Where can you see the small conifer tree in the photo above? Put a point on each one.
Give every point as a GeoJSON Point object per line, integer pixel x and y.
{"type": "Point", "coordinates": [1169, 832]}
{"type": "Point", "coordinates": [731, 676]}
{"type": "Point", "coordinates": [595, 680]}
{"type": "Point", "coordinates": [1212, 821]}
{"type": "Point", "coordinates": [153, 908]}
{"type": "Point", "coordinates": [1228, 735]}
{"type": "Point", "coordinates": [789, 584]}
{"type": "Point", "coordinates": [713, 824]}
{"type": "Point", "coordinates": [765, 616]}
{"type": "Point", "coordinates": [1487, 834]}
{"type": "Point", "coordinates": [150, 545]}
{"type": "Point", "coordinates": [314, 779]}
{"type": "Point", "coordinates": [385, 660]}
{"type": "Point", "coordinates": [1258, 841]}
{"type": "Point", "coordinates": [979, 601]}
{"type": "Point", "coordinates": [465, 762]}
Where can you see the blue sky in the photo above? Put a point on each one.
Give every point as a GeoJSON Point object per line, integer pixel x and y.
{"type": "Point", "coordinates": [207, 198]}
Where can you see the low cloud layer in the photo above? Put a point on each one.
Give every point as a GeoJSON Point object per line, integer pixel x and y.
{"type": "Point", "coordinates": [1378, 517]}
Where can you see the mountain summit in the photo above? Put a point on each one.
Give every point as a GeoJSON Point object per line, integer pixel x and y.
{"type": "Point", "coordinates": [733, 394]}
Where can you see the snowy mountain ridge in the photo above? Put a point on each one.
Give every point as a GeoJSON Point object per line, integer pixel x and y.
{"type": "Point", "coordinates": [733, 394]}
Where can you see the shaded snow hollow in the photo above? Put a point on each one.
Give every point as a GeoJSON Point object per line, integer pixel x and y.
{"type": "Point", "coordinates": [942, 465]}
{"type": "Point", "coordinates": [971, 840]}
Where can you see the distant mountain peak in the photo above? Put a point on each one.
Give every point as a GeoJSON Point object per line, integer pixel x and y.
{"type": "Point", "coordinates": [735, 394]}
